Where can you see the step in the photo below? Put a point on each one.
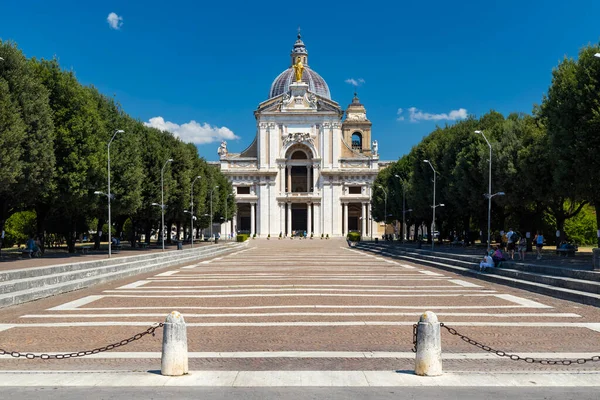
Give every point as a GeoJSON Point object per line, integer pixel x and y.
{"type": "Point", "coordinates": [54, 278]}
{"type": "Point", "coordinates": [34, 293]}
{"type": "Point", "coordinates": [471, 270]}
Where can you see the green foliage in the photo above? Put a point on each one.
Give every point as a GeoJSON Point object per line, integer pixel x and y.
{"type": "Point", "coordinates": [353, 236]}
{"type": "Point", "coordinates": [583, 227]}
{"type": "Point", "coordinates": [19, 227]}
{"type": "Point", "coordinates": [241, 237]}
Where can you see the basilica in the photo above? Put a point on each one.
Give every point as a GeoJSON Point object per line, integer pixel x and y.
{"type": "Point", "coordinates": [311, 165]}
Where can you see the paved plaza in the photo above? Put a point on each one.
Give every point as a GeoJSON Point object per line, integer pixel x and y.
{"type": "Point", "coordinates": [300, 305]}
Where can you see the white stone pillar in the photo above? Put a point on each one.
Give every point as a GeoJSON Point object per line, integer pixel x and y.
{"type": "Point", "coordinates": [252, 219]}
{"type": "Point", "coordinates": [345, 227]}
{"type": "Point", "coordinates": [289, 179]}
{"type": "Point", "coordinates": [174, 359]}
{"type": "Point", "coordinates": [281, 179]}
{"type": "Point", "coordinates": [428, 361]}
{"type": "Point", "coordinates": [308, 219]}
{"type": "Point", "coordinates": [363, 230]}
{"type": "Point", "coordinates": [308, 178]}
{"type": "Point", "coordinates": [314, 176]}
{"type": "Point", "coordinates": [289, 219]}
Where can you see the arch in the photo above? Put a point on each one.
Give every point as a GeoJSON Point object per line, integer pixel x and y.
{"type": "Point", "coordinates": [299, 155]}
{"type": "Point", "coordinates": [357, 141]}
{"type": "Point", "coordinates": [290, 148]}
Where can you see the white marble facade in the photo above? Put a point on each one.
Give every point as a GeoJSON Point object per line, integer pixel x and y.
{"type": "Point", "coordinates": [309, 168]}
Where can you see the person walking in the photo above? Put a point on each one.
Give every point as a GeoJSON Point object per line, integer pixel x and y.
{"type": "Point", "coordinates": [539, 243]}
{"type": "Point", "coordinates": [510, 240]}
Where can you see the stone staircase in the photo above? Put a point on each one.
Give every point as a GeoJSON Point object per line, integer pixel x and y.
{"type": "Point", "coordinates": [582, 286]}
{"type": "Point", "coordinates": [23, 285]}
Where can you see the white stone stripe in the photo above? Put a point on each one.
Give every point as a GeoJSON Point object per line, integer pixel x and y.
{"type": "Point", "coordinates": [420, 308]}
{"type": "Point", "coordinates": [208, 296]}
{"type": "Point", "coordinates": [460, 282]}
{"type": "Point", "coordinates": [431, 273]}
{"type": "Point", "coordinates": [304, 285]}
{"type": "Point", "coordinates": [311, 354]}
{"type": "Point", "coordinates": [295, 278]}
{"type": "Point", "coordinates": [206, 276]}
{"type": "Point", "coordinates": [408, 266]}
{"type": "Point", "coordinates": [522, 301]}
{"type": "Point", "coordinates": [297, 289]}
{"type": "Point", "coordinates": [295, 378]}
{"type": "Point", "coordinates": [565, 325]}
{"type": "Point", "coordinates": [133, 285]}
{"type": "Point", "coordinates": [168, 273]}
{"type": "Point", "coordinates": [310, 314]}
{"type": "Point", "coordinates": [72, 305]}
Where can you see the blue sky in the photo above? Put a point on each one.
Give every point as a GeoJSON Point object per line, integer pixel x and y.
{"type": "Point", "coordinates": [213, 62]}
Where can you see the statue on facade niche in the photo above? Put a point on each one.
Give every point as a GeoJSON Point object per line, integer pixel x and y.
{"type": "Point", "coordinates": [375, 147]}
{"type": "Point", "coordinates": [222, 151]}
{"type": "Point", "coordinates": [298, 69]}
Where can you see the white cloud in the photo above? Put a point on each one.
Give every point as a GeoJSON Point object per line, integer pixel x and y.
{"type": "Point", "coordinates": [114, 21]}
{"type": "Point", "coordinates": [416, 115]}
{"type": "Point", "coordinates": [355, 82]}
{"type": "Point", "coordinates": [193, 132]}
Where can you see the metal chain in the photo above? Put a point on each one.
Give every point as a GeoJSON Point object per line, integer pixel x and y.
{"type": "Point", "coordinates": [516, 357]}
{"type": "Point", "coordinates": [415, 332]}
{"type": "Point", "coordinates": [31, 356]}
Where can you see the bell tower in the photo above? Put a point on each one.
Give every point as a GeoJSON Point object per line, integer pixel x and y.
{"type": "Point", "coordinates": [356, 128]}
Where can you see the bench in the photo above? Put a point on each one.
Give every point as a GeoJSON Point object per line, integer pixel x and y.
{"type": "Point", "coordinates": [567, 251]}
{"type": "Point", "coordinates": [26, 252]}
{"type": "Point", "coordinates": [460, 243]}
{"type": "Point", "coordinates": [116, 248]}
{"type": "Point", "coordinates": [85, 249]}
{"type": "Point", "coordinates": [143, 245]}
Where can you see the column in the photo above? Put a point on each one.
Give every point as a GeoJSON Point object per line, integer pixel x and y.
{"type": "Point", "coordinates": [345, 226]}
{"type": "Point", "coordinates": [289, 179]}
{"type": "Point", "coordinates": [252, 219]}
{"type": "Point", "coordinates": [309, 219]}
{"type": "Point", "coordinates": [317, 214]}
{"type": "Point", "coordinates": [363, 229]}
{"type": "Point", "coordinates": [281, 217]}
{"type": "Point", "coordinates": [289, 219]}
{"type": "Point", "coordinates": [282, 178]}
{"type": "Point", "coordinates": [308, 178]}
{"type": "Point", "coordinates": [314, 176]}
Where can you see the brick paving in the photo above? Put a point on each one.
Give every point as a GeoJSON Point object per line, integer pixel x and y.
{"type": "Point", "coordinates": [295, 296]}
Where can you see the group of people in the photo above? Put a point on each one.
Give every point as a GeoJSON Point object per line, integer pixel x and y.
{"type": "Point", "coordinates": [34, 246]}
{"type": "Point", "coordinates": [515, 241]}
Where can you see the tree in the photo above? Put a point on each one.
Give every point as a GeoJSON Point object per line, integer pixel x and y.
{"type": "Point", "coordinates": [25, 101]}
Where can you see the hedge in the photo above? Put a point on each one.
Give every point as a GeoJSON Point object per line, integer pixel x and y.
{"type": "Point", "coordinates": [242, 237]}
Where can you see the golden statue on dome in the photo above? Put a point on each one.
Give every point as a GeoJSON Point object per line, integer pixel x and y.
{"type": "Point", "coordinates": [298, 69]}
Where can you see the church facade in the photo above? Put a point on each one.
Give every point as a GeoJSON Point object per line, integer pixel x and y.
{"type": "Point", "coordinates": [311, 165]}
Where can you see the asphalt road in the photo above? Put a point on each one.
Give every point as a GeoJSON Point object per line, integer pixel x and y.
{"type": "Point", "coordinates": [94, 393]}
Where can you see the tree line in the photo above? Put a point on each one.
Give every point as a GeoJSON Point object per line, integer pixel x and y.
{"type": "Point", "coordinates": [54, 134]}
{"type": "Point", "coordinates": [547, 163]}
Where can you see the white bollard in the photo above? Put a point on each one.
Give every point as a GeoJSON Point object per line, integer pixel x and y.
{"type": "Point", "coordinates": [428, 361]}
{"type": "Point", "coordinates": [174, 361]}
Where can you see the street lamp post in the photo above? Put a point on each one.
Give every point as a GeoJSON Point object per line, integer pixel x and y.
{"type": "Point", "coordinates": [434, 206]}
{"type": "Point", "coordinates": [162, 200]}
{"type": "Point", "coordinates": [489, 193]}
{"type": "Point", "coordinates": [403, 207]}
{"type": "Point", "coordinates": [384, 210]}
{"type": "Point", "coordinates": [192, 210]}
{"type": "Point", "coordinates": [211, 210]}
{"type": "Point", "coordinates": [226, 212]}
{"type": "Point", "coordinates": [108, 194]}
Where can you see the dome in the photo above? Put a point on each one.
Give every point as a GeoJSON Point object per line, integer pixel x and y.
{"type": "Point", "coordinates": [316, 84]}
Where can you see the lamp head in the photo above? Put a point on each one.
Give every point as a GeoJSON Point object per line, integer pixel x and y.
{"type": "Point", "coordinates": [442, 205]}
{"type": "Point", "coordinates": [427, 161]}
{"type": "Point", "coordinates": [119, 131]}
{"type": "Point", "coordinates": [1, 59]}
{"type": "Point", "coordinates": [170, 160]}
{"type": "Point", "coordinates": [198, 177]}
{"type": "Point", "coordinates": [500, 193]}
{"type": "Point", "coordinates": [478, 132]}
{"type": "Point", "coordinates": [98, 192]}
{"type": "Point", "coordinates": [155, 204]}
{"type": "Point", "coordinates": [595, 55]}
{"type": "Point", "coordinates": [397, 176]}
